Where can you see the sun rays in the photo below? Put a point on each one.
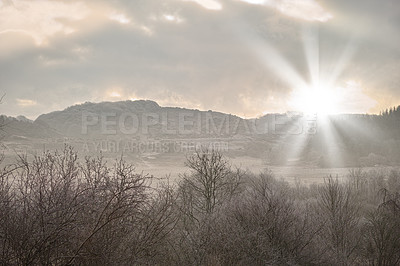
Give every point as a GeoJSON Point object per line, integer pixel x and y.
{"type": "Point", "coordinates": [320, 94]}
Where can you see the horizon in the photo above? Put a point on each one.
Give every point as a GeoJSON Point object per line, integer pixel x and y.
{"type": "Point", "coordinates": [188, 108]}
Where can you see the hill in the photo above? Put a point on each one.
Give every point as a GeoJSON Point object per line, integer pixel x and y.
{"type": "Point", "coordinates": [21, 128]}
{"type": "Point", "coordinates": [141, 118]}
{"type": "Point", "coordinates": [275, 139]}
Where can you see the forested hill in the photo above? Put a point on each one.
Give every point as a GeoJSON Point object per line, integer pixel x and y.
{"type": "Point", "coordinates": [279, 139]}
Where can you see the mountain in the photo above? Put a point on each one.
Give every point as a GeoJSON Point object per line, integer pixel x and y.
{"type": "Point", "coordinates": [142, 118]}
{"type": "Point", "coordinates": [277, 139]}
{"type": "Point", "coordinates": [23, 119]}
{"type": "Point", "coordinates": [22, 127]}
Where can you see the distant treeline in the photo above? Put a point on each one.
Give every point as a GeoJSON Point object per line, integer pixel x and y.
{"type": "Point", "coordinates": [58, 209]}
{"type": "Point", "coordinates": [358, 140]}
{"type": "Point", "coordinates": [393, 111]}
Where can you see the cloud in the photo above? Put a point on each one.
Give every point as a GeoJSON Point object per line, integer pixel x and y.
{"type": "Point", "coordinates": [208, 4]}
{"type": "Point", "coordinates": [40, 19]}
{"type": "Point", "coordinates": [115, 94]}
{"type": "Point", "coordinates": [302, 9]}
{"type": "Point", "coordinates": [356, 101]}
{"type": "Point", "coordinates": [172, 18]}
{"type": "Point", "coordinates": [26, 102]}
{"type": "Point", "coordinates": [119, 17]}
{"type": "Point", "coordinates": [181, 53]}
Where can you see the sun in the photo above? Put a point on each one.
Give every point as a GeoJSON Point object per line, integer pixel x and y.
{"type": "Point", "coordinates": [320, 100]}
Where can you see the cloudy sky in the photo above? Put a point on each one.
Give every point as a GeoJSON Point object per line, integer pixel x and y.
{"type": "Point", "coordinates": [245, 57]}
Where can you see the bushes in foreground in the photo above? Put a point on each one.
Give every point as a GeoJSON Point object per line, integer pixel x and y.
{"type": "Point", "coordinates": [59, 210]}
{"type": "Point", "coordinates": [56, 210]}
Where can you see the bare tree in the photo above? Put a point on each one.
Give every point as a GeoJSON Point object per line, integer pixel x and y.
{"type": "Point", "coordinates": [382, 238]}
{"type": "Point", "coordinates": [55, 210]}
{"type": "Point", "coordinates": [201, 195]}
{"type": "Point", "coordinates": [43, 198]}
{"type": "Point", "coordinates": [339, 209]}
{"type": "Point", "coordinates": [211, 181]}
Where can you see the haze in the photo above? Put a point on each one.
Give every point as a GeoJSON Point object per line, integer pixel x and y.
{"type": "Point", "coordinates": [245, 57]}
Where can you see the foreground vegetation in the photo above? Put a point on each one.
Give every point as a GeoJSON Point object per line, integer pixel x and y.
{"type": "Point", "coordinates": [59, 210]}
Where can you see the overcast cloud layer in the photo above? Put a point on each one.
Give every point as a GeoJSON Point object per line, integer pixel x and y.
{"type": "Point", "coordinates": [244, 57]}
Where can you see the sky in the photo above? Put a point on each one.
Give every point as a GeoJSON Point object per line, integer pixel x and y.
{"type": "Point", "coordinates": [244, 57]}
